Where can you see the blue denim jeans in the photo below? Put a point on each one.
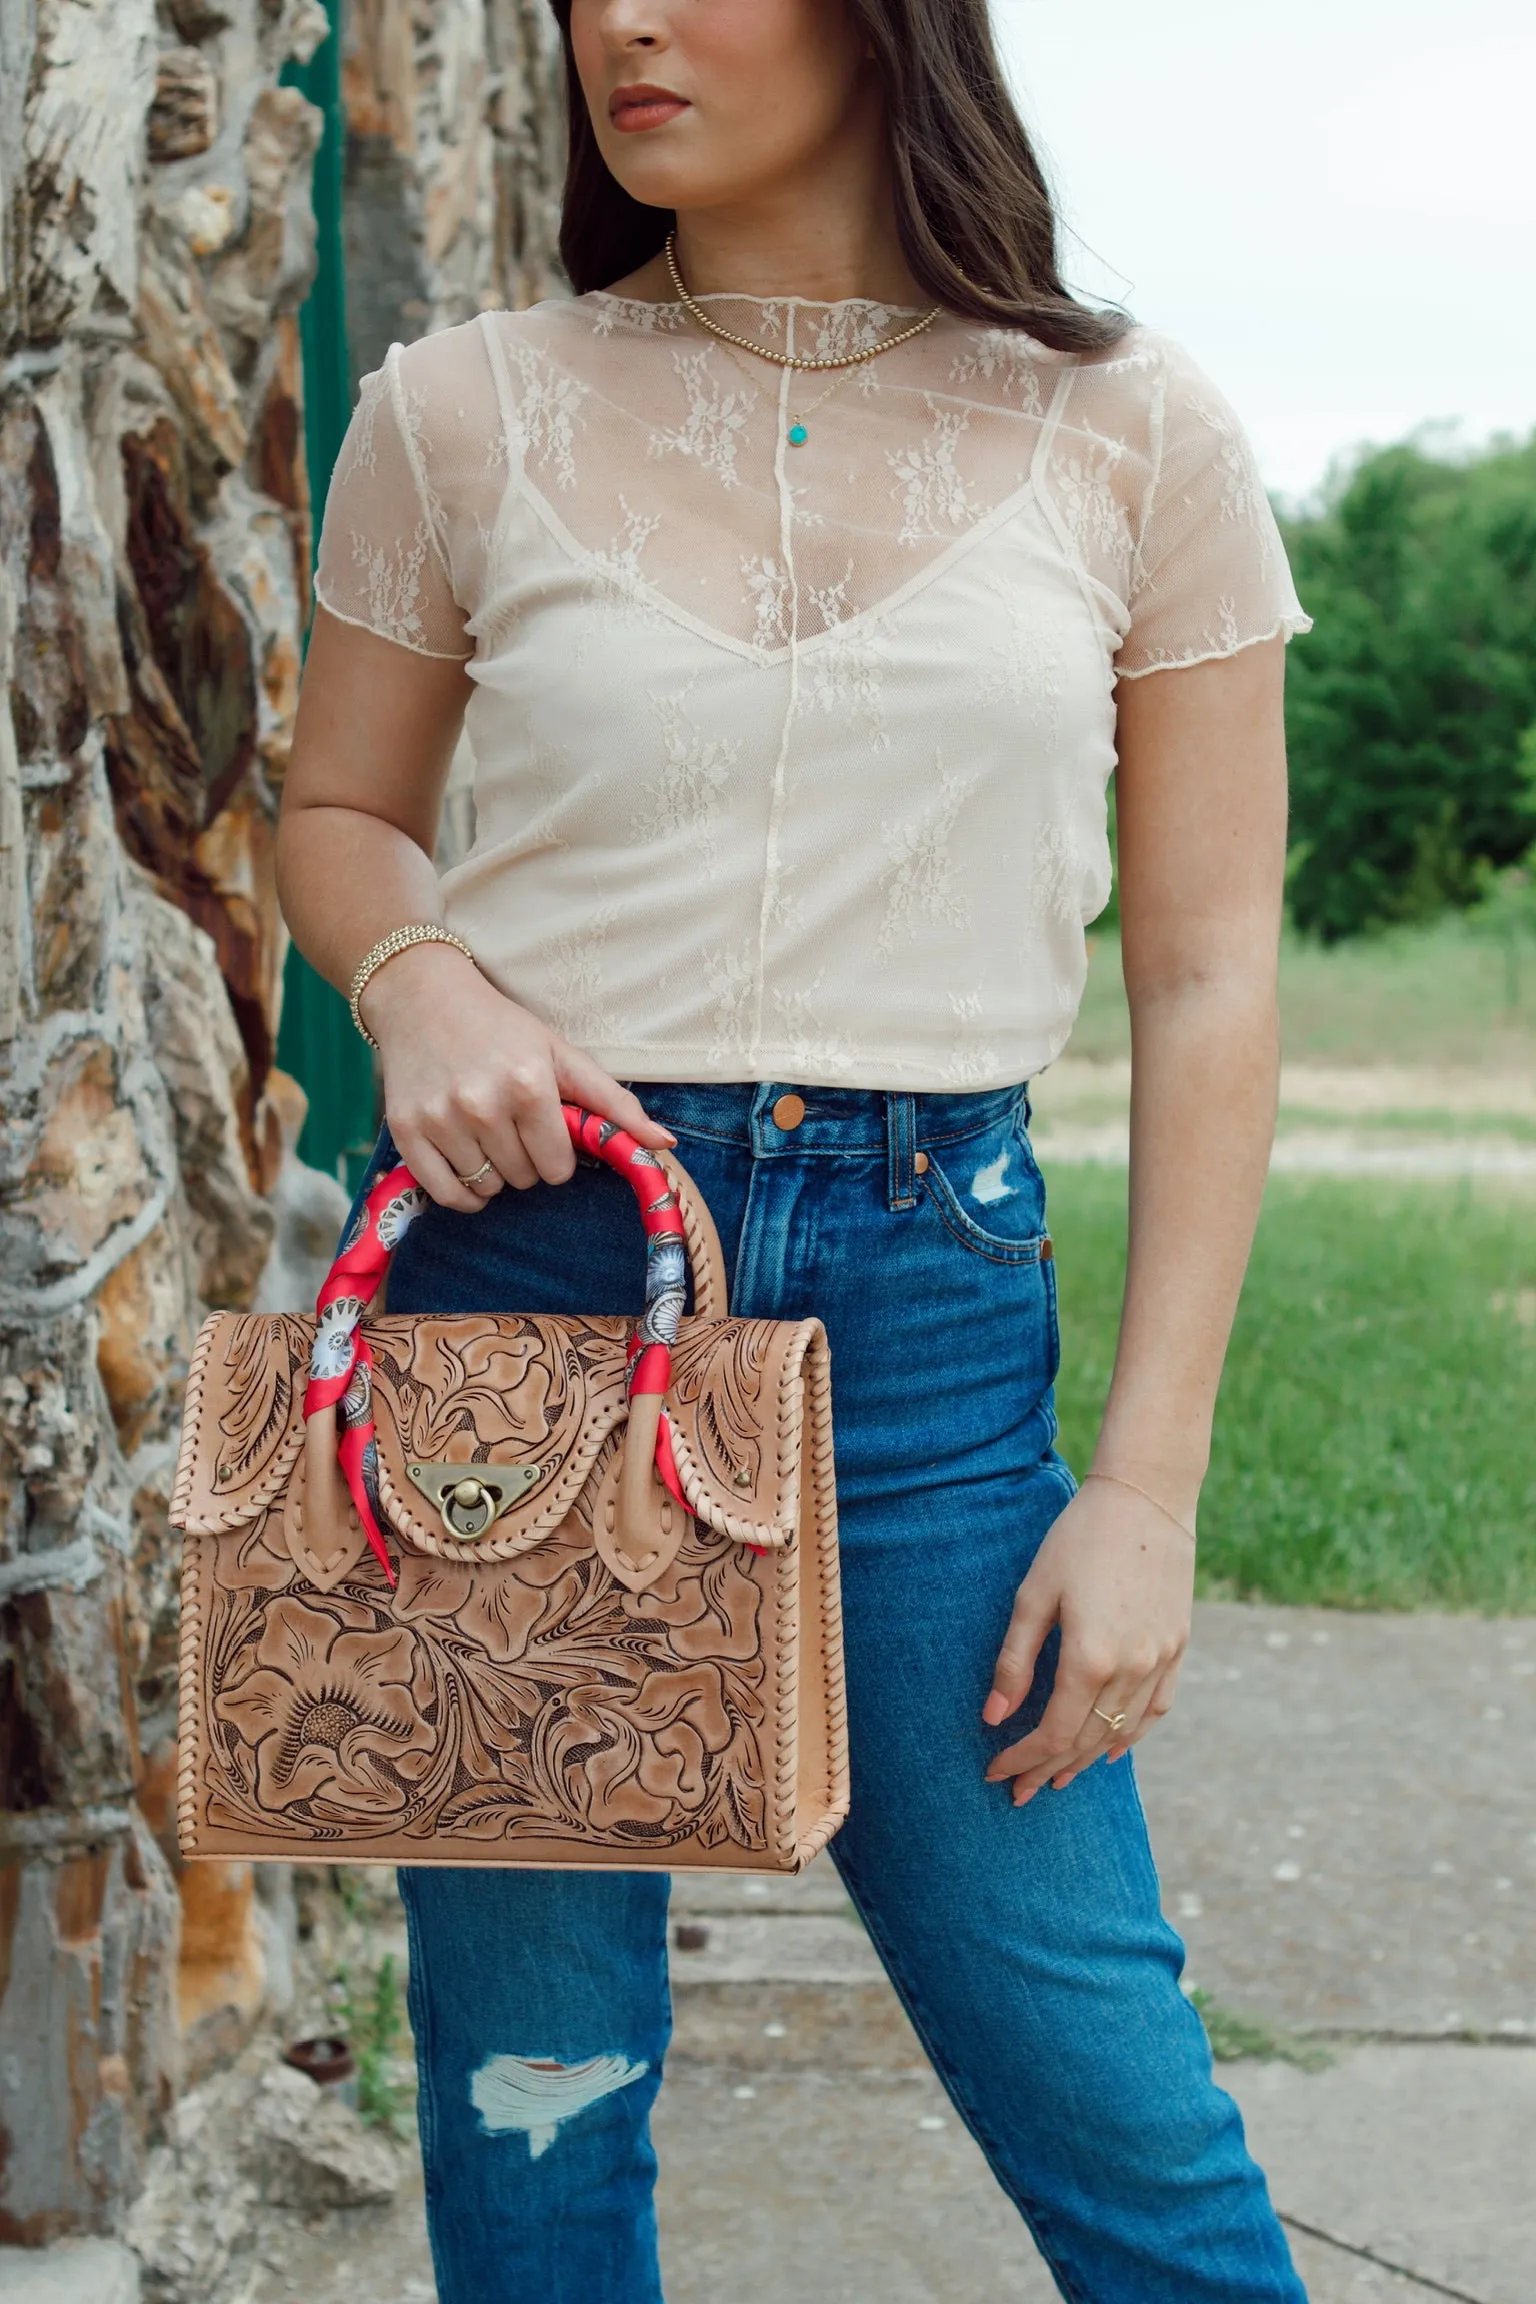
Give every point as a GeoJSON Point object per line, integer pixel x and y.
{"type": "Point", "coordinates": [1027, 1945]}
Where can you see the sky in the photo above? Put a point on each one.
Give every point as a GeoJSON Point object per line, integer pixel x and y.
{"type": "Point", "coordinates": [1332, 203]}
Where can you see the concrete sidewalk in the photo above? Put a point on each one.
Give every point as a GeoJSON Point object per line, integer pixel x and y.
{"type": "Point", "coordinates": [1343, 1812]}
{"type": "Point", "coordinates": [813, 2163]}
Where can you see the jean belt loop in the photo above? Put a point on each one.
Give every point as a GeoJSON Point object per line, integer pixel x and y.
{"type": "Point", "coordinates": [901, 1150]}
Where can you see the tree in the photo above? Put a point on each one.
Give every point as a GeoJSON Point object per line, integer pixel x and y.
{"type": "Point", "coordinates": [1408, 702]}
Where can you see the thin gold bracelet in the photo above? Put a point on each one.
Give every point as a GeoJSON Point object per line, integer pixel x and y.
{"type": "Point", "coordinates": [1150, 1498]}
{"type": "Point", "coordinates": [398, 940]}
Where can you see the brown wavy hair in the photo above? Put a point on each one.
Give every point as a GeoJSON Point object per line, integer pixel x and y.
{"type": "Point", "coordinates": [978, 226]}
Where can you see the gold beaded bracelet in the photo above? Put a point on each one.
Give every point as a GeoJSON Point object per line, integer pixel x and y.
{"type": "Point", "coordinates": [1136, 1489]}
{"type": "Point", "coordinates": [398, 940]}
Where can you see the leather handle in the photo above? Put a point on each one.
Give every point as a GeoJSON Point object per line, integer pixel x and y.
{"type": "Point", "coordinates": [638, 1504]}
{"type": "Point", "coordinates": [706, 1259]}
{"type": "Point", "coordinates": [640, 1501]}
{"type": "Point", "coordinates": [677, 1219]}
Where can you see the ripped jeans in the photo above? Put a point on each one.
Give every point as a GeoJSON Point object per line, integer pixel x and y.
{"type": "Point", "coordinates": [1026, 1944]}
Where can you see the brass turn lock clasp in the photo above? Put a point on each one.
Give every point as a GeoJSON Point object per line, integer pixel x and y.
{"type": "Point", "coordinates": [471, 1498]}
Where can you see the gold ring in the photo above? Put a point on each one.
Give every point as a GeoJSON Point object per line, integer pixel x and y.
{"type": "Point", "coordinates": [1116, 1720]}
{"type": "Point", "coordinates": [484, 1169]}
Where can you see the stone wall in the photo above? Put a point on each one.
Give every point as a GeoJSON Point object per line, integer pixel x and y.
{"type": "Point", "coordinates": [153, 585]}
{"type": "Point", "coordinates": [455, 152]}
{"type": "Point", "coordinates": [455, 158]}
{"type": "Point", "coordinates": [156, 239]}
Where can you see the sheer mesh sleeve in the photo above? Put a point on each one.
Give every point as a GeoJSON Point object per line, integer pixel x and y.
{"type": "Point", "coordinates": [384, 558]}
{"type": "Point", "coordinates": [1209, 574]}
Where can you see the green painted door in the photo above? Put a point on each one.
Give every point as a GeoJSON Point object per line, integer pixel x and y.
{"type": "Point", "coordinates": [316, 1042]}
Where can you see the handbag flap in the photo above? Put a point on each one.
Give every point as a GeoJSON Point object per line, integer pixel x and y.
{"type": "Point", "coordinates": [242, 1418]}
{"type": "Point", "coordinates": [537, 1393]}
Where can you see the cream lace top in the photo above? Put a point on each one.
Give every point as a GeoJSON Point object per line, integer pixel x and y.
{"type": "Point", "coordinates": [791, 759]}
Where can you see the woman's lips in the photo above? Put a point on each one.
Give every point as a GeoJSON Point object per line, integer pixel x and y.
{"type": "Point", "coordinates": [632, 109]}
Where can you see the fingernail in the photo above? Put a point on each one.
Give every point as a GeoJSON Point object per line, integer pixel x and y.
{"type": "Point", "coordinates": [667, 1133]}
{"type": "Point", "coordinates": [1022, 1799]}
{"type": "Point", "coordinates": [995, 1708]}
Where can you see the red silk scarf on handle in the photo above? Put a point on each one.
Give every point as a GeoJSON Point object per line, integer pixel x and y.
{"type": "Point", "coordinates": [341, 1363]}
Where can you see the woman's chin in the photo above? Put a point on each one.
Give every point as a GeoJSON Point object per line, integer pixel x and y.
{"type": "Point", "coordinates": [662, 178]}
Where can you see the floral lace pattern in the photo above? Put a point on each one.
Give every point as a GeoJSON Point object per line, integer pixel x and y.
{"type": "Point", "coordinates": [921, 875]}
{"type": "Point", "coordinates": [792, 754]}
{"type": "Point", "coordinates": [933, 492]}
{"type": "Point", "coordinates": [715, 422]}
{"type": "Point", "coordinates": [681, 802]}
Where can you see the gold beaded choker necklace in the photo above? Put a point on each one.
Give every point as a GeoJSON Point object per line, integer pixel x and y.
{"type": "Point", "coordinates": [797, 432]}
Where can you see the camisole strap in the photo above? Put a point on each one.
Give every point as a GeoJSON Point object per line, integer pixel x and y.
{"type": "Point", "coordinates": [1098, 596]}
{"type": "Point", "coordinates": [501, 376]}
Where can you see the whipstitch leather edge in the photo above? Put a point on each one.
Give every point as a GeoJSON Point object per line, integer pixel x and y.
{"type": "Point", "coordinates": [786, 1817]}
{"type": "Point", "coordinates": [696, 1239]}
{"type": "Point", "coordinates": [261, 1493]}
{"type": "Point", "coordinates": [191, 1418]}
{"type": "Point", "coordinates": [189, 1691]}
{"type": "Point", "coordinates": [823, 1473]}
{"type": "Point", "coordinates": [780, 1530]}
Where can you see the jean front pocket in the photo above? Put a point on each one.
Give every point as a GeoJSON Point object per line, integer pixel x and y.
{"type": "Point", "coordinates": [990, 1194]}
{"type": "Point", "coordinates": [990, 1251]}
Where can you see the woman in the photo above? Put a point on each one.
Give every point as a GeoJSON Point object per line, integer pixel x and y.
{"type": "Point", "coordinates": [794, 690]}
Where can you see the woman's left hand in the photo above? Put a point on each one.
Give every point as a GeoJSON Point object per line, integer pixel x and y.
{"type": "Point", "coordinates": [1117, 1574]}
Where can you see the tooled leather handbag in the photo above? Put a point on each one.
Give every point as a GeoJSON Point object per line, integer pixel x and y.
{"type": "Point", "coordinates": [513, 1589]}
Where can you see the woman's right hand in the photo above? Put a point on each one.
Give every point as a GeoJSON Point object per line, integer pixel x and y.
{"type": "Point", "coordinates": [469, 1076]}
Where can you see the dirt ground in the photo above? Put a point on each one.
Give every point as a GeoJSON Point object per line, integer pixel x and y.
{"type": "Point", "coordinates": [1334, 1119]}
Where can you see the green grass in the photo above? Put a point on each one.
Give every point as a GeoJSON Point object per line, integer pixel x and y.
{"type": "Point", "coordinates": [1374, 1432]}
{"type": "Point", "coordinates": [372, 2016]}
{"type": "Point", "coordinates": [1449, 994]}
{"type": "Point", "coordinates": [1235, 2038]}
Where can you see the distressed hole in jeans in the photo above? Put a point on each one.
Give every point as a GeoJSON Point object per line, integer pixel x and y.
{"type": "Point", "coordinates": [990, 1184]}
{"type": "Point", "coordinates": [536, 2093]}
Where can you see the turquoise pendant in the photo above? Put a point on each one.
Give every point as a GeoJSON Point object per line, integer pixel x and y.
{"type": "Point", "coordinates": [798, 435]}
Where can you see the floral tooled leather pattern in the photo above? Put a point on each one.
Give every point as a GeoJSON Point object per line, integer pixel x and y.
{"type": "Point", "coordinates": [512, 1392]}
{"type": "Point", "coordinates": [486, 1703]}
{"type": "Point", "coordinates": [507, 1390]}
{"type": "Point", "coordinates": [513, 1692]}
{"type": "Point", "coordinates": [332, 1706]}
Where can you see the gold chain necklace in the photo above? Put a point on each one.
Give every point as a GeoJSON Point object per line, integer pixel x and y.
{"type": "Point", "coordinates": [797, 434]}
{"type": "Point", "coordinates": [727, 336]}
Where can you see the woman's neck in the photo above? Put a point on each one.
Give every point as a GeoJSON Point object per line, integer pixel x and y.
{"type": "Point", "coordinates": [805, 250]}
{"type": "Point", "coordinates": [827, 234]}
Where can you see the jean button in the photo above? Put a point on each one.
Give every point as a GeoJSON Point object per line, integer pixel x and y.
{"type": "Point", "coordinates": [789, 1111]}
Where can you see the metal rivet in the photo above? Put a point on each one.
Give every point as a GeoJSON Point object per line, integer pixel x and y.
{"type": "Point", "coordinates": [789, 1111]}
{"type": "Point", "coordinates": [468, 1493]}
{"type": "Point", "coordinates": [742, 1478]}
{"type": "Point", "coordinates": [920, 1164]}
{"type": "Point", "coordinates": [224, 1472]}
